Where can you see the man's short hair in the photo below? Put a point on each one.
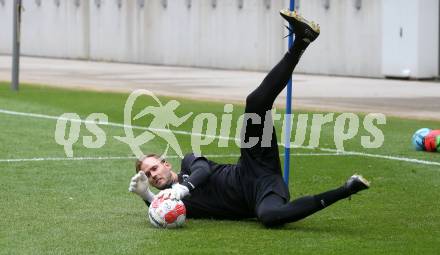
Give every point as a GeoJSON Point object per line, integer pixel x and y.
{"type": "Point", "coordinates": [139, 161]}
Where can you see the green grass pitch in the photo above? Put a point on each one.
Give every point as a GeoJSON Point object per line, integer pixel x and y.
{"type": "Point", "coordinates": [83, 206]}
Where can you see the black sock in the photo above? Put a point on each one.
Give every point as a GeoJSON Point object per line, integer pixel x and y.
{"type": "Point", "coordinates": [329, 197]}
{"type": "Point", "coordinates": [297, 50]}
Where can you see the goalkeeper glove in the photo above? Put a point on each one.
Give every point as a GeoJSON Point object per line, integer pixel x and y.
{"type": "Point", "coordinates": [139, 185]}
{"type": "Point", "coordinates": [177, 191]}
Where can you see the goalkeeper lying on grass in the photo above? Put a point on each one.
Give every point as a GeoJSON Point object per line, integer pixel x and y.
{"type": "Point", "coordinates": [254, 186]}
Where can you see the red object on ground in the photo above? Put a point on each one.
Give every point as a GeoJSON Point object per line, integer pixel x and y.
{"type": "Point", "coordinates": [430, 140]}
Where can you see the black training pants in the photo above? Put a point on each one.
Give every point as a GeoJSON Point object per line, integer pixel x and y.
{"type": "Point", "coordinates": [272, 209]}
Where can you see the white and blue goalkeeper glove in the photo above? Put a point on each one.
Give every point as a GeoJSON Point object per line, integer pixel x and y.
{"type": "Point", "coordinates": [140, 186]}
{"type": "Point", "coordinates": [177, 191]}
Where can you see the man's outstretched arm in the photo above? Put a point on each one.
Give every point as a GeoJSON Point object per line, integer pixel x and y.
{"type": "Point", "coordinates": [199, 174]}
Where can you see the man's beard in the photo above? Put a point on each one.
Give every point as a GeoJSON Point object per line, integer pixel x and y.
{"type": "Point", "coordinates": [168, 184]}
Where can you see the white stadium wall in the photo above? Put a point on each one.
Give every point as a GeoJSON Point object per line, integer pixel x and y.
{"type": "Point", "coordinates": [54, 29]}
{"type": "Point", "coordinates": [199, 35]}
{"type": "Point", "coordinates": [410, 40]}
{"type": "Point", "coordinates": [6, 26]}
{"type": "Point", "coordinates": [350, 40]}
{"type": "Point", "coordinates": [231, 34]}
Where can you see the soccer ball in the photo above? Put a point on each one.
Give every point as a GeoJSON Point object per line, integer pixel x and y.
{"type": "Point", "coordinates": [418, 139]}
{"type": "Point", "coordinates": [167, 213]}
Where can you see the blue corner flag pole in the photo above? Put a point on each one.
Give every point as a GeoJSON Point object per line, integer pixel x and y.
{"type": "Point", "coordinates": [288, 116]}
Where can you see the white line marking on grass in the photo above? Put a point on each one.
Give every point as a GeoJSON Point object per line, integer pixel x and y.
{"type": "Point", "coordinates": [353, 153]}
{"type": "Point", "coordinates": [111, 124]}
{"type": "Point", "coordinates": [61, 159]}
{"type": "Point", "coordinates": [17, 160]}
{"type": "Point", "coordinates": [411, 160]}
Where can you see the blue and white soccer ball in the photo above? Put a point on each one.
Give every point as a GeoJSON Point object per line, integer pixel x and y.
{"type": "Point", "coordinates": [418, 139]}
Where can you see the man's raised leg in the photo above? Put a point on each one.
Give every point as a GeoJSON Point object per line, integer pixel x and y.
{"type": "Point", "coordinates": [262, 98]}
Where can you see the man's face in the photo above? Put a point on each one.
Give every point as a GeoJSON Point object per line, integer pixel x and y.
{"type": "Point", "coordinates": [157, 171]}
